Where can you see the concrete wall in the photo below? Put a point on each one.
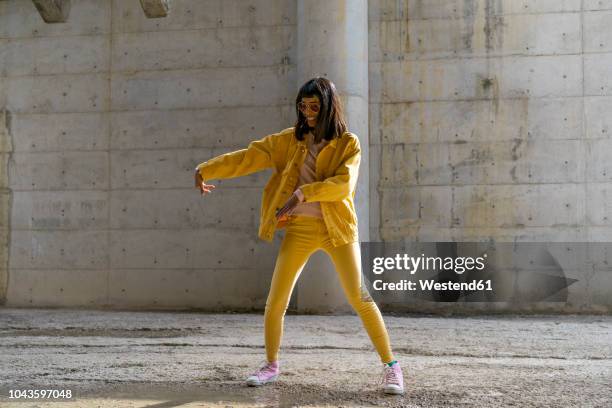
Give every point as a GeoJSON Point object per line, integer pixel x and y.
{"type": "Point", "coordinates": [489, 120]}
{"type": "Point", "coordinates": [111, 112]}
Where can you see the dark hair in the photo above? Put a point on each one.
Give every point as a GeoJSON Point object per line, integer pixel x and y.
{"type": "Point", "coordinates": [330, 121]}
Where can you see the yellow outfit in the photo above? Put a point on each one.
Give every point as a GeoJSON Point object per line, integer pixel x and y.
{"type": "Point", "coordinates": [336, 170]}
{"type": "Point", "coordinates": [304, 236]}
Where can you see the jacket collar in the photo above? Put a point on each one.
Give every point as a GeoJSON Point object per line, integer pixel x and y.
{"type": "Point", "coordinates": [333, 142]}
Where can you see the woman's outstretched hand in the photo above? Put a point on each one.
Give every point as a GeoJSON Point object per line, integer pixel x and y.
{"type": "Point", "coordinates": [282, 213]}
{"type": "Point", "coordinates": [201, 184]}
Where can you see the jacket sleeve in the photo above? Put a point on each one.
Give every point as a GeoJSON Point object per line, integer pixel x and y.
{"type": "Point", "coordinates": [256, 157]}
{"type": "Point", "coordinates": [344, 181]}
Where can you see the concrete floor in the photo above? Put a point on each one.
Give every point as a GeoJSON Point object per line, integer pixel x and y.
{"type": "Point", "coordinates": [159, 359]}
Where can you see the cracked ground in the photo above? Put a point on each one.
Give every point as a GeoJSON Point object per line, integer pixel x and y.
{"type": "Point", "coordinates": [173, 359]}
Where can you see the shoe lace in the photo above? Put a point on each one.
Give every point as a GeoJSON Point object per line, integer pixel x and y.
{"type": "Point", "coordinates": [389, 376]}
{"type": "Point", "coordinates": [264, 366]}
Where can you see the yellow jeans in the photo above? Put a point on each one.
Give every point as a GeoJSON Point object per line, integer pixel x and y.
{"type": "Point", "coordinates": [303, 236]}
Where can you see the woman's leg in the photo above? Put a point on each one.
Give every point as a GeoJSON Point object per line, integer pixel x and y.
{"type": "Point", "coordinates": [347, 260]}
{"type": "Point", "coordinates": [297, 246]}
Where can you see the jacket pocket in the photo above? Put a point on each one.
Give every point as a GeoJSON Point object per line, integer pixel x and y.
{"type": "Point", "coordinates": [346, 214]}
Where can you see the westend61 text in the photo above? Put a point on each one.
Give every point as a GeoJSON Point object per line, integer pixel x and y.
{"type": "Point", "coordinates": [431, 284]}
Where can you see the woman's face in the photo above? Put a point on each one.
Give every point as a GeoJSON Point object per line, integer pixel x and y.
{"type": "Point", "coordinates": [310, 107]}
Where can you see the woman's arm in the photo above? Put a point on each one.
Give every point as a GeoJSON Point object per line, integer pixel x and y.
{"type": "Point", "coordinates": [339, 186]}
{"type": "Point", "coordinates": [256, 157]}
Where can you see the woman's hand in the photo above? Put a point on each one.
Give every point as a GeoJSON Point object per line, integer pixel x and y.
{"type": "Point", "coordinates": [286, 209]}
{"type": "Point", "coordinates": [201, 184]}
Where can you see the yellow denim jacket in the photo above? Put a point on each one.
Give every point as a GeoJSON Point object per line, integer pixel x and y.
{"type": "Point", "coordinates": [337, 168]}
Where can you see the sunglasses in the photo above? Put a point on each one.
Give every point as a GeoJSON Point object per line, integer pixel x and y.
{"type": "Point", "coordinates": [313, 106]}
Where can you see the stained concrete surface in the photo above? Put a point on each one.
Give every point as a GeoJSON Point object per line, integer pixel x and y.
{"type": "Point", "coordinates": [169, 359]}
{"type": "Point", "coordinates": [480, 120]}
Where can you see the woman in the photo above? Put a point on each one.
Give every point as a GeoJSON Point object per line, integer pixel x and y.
{"type": "Point", "coordinates": [311, 193]}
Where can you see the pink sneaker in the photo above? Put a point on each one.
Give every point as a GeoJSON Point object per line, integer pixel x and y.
{"type": "Point", "coordinates": [392, 379]}
{"type": "Point", "coordinates": [267, 372]}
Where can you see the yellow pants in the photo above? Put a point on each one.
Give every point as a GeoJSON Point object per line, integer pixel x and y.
{"type": "Point", "coordinates": [303, 236]}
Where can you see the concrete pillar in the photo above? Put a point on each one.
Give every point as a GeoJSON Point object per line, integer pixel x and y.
{"type": "Point", "coordinates": [53, 11]}
{"type": "Point", "coordinates": [333, 42]}
{"type": "Point", "coordinates": [155, 8]}
{"type": "Point", "coordinates": [6, 147]}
